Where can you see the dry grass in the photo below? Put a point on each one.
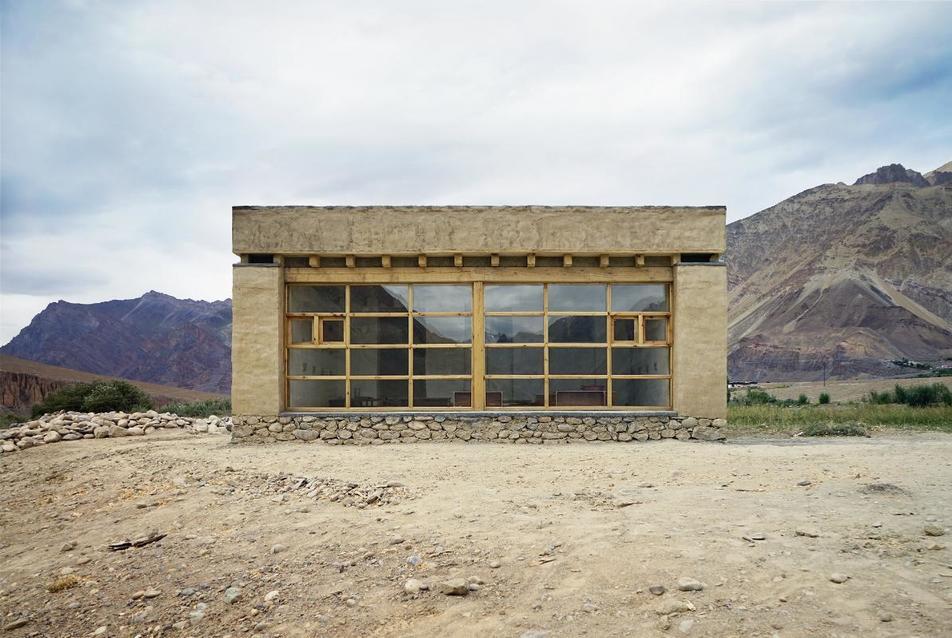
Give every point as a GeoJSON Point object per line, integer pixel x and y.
{"type": "Point", "coordinates": [62, 583]}
{"type": "Point", "coordinates": [778, 419]}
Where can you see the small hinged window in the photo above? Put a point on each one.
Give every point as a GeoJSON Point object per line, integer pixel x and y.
{"type": "Point", "coordinates": [331, 330]}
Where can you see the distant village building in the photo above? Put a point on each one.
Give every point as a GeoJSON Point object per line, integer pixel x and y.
{"type": "Point", "coordinates": [377, 323]}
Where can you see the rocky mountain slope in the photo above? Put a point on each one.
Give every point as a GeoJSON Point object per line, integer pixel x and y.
{"type": "Point", "coordinates": [155, 338]}
{"type": "Point", "coordinates": [843, 279]}
{"type": "Point", "coordinates": [23, 383]}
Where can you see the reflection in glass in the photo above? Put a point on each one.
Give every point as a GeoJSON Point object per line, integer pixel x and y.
{"type": "Point", "coordinates": [639, 297]}
{"type": "Point", "coordinates": [584, 297]}
{"type": "Point", "coordinates": [515, 298]}
{"type": "Point", "coordinates": [514, 329]}
{"type": "Point", "coordinates": [578, 392]}
{"type": "Point", "coordinates": [514, 361]}
{"type": "Point", "coordinates": [365, 393]}
{"type": "Point", "coordinates": [315, 363]}
{"type": "Point", "coordinates": [577, 329]}
{"type": "Point", "coordinates": [302, 330]}
{"type": "Point", "coordinates": [641, 392]}
{"type": "Point", "coordinates": [442, 393]}
{"type": "Point", "coordinates": [514, 392]}
{"type": "Point", "coordinates": [442, 298]}
{"type": "Point", "coordinates": [442, 329]}
{"type": "Point", "coordinates": [332, 330]}
{"type": "Point", "coordinates": [656, 329]}
{"type": "Point", "coordinates": [626, 329]}
{"type": "Point", "coordinates": [315, 298]}
{"type": "Point", "coordinates": [433, 361]}
{"type": "Point", "coordinates": [639, 361]}
{"type": "Point", "coordinates": [378, 330]}
{"type": "Point", "coordinates": [316, 394]}
{"type": "Point", "coordinates": [378, 298]}
{"type": "Point", "coordinates": [373, 362]}
{"type": "Point", "coordinates": [578, 361]}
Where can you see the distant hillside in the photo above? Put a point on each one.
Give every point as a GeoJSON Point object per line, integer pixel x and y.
{"type": "Point", "coordinates": [24, 383]}
{"type": "Point", "coordinates": [155, 338]}
{"type": "Point", "coordinates": [845, 278]}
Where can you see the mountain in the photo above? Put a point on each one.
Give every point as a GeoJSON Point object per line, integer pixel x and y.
{"type": "Point", "coordinates": [155, 338]}
{"type": "Point", "coordinates": [844, 279]}
{"type": "Point", "coordinates": [25, 382]}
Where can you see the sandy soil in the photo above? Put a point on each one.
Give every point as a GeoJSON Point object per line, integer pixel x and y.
{"type": "Point", "coordinates": [566, 540]}
{"type": "Point", "coordinates": [843, 391]}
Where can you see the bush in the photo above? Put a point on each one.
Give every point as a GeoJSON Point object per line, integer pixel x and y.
{"type": "Point", "coordinates": [916, 396]}
{"type": "Point", "coordinates": [100, 396]}
{"type": "Point", "coordinates": [824, 398]}
{"type": "Point", "coordinates": [802, 400]}
{"type": "Point", "coordinates": [835, 429]}
{"type": "Point", "coordinates": [200, 409]}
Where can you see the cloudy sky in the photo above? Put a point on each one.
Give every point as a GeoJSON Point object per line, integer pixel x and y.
{"type": "Point", "coordinates": [129, 128]}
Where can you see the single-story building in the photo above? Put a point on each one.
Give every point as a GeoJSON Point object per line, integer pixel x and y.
{"type": "Point", "coordinates": [386, 323]}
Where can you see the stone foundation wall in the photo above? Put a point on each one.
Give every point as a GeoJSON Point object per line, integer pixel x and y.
{"type": "Point", "coordinates": [378, 429]}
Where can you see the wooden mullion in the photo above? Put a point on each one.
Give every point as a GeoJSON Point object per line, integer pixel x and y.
{"type": "Point", "coordinates": [347, 346]}
{"type": "Point", "coordinates": [545, 344]}
{"type": "Point", "coordinates": [609, 338]}
{"type": "Point", "coordinates": [410, 344]}
{"type": "Point", "coordinates": [477, 385]}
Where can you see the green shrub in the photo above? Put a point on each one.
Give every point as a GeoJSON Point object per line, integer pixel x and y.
{"type": "Point", "coordinates": [824, 398]}
{"type": "Point", "coordinates": [802, 400]}
{"type": "Point", "coordinates": [916, 396]}
{"type": "Point", "coordinates": [200, 409]}
{"type": "Point", "coordinates": [100, 396]}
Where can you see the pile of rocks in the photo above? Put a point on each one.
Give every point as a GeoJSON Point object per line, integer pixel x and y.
{"type": "Point", "coordinates": [501, 428]}
{"type": "Point", "coordinates": [347, 493]}
{"type": "Point", "coordinates": [73, 426]}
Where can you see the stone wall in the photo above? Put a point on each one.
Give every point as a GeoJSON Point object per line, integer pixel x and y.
{"type": "Point", "coordinates": [379, 429]}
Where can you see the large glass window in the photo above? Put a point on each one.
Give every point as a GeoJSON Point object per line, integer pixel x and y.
{"type": "Point", "coordinates": [571, 345]}
{"type": "Point", "coordinates": [380, 346]}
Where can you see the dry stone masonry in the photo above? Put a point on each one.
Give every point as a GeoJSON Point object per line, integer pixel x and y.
{"type": "Point", "coordinates": [75, 426]}
{"type": "Point", "coordinates": [520, 429]}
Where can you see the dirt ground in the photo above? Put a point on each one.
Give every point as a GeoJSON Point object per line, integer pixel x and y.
{"type": "Point", "coordinates": [557, 541]}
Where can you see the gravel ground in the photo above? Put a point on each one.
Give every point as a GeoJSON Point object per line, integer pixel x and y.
{"type": "Point", "coordinates": [564, 540]}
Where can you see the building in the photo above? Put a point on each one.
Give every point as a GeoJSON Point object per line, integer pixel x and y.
{"type": "Point", "coordinates": [478, 316]}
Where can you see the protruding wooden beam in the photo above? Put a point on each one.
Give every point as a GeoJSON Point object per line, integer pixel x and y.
{"type": "Point", "coordinates": [639, 261]}
{"type": "Point", "coordinates": [458, 260]}
{"type": "Point", "coordinates": [385, 261]}
{"type": "Point", "coordinates": [567, 261]}
{"type": "Point", "coordinates": [494, 260]}
{"type": "Point", "coordinates": [314, 261]}
{"type": "Point", "coordinates": [530, 261]}
{"type": "Point", "coordinates": [421, 261]}
{"type": "Point", "coordinates": [603, 261]}
{"type": "Point", "coordinates": [351, 261]}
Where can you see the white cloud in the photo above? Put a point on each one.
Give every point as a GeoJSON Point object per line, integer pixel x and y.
{"type": "Point", "coordinates": [131, 128]}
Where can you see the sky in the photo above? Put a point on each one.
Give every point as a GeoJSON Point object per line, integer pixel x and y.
{"type": "Point", "coordinates": [129, 129]}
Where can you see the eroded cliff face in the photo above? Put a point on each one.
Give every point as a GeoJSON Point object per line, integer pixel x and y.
{"type": "Point", "coordinates": [19, 391]}
{"type": "Point", "coordinates": [843, 279]}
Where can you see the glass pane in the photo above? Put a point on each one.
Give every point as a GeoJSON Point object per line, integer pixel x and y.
{"type": "Point", "coordinates": [656, 329]}
{"type": "Point", "coordinates": [626, 329]}
{"type": "Point", "coordinates": [563, 297]}
{"type": "Point", "coordinates": [578, 361]}
{"type": "Point", "coordinates": [315, 363]}
{"type": "Point", "coordinates": [316, 394]}
{"type": "Point", "coordinates": [332, 331]}
{"type": "Point", "coordinates": [315, 299]}
{"type": "Point", "coordinates": [577, 329]}
{"type": "Point", "coordinates": [442, 393]}
{"type": "Point", "coordinates": [514, 329]}
{"type": "Point", "coordinates": [642, 392]}
{"type": "Point", "coordinates": [514, 361]}
{"type": "Point", "coordinates": [378, 298]}
{"type": "Point", "coordinates": [372, 362]}
{"type": "Point", "coordinates": [577, 392]}
{"type": "Point", "coordinates": [442, 329]}
{"type": "Point", "coordinates": [513, 298]}
{"type": "Point", "coordinates": [512, 392]}
{"type": "Point", "coordinates": [639, 297]}
{"type": "Point", "coordinates": [429, 361]}
{"type": "Point", "coordinates": [378, 330]}
{"type": "Point", "coordinates": [639, 361]}
{"type": "Point", "coordinates": [379, 393]}
{"type": "Point", "coordinates": [442, 298]}
{"type": "Point", "coordinates": [302, 330]}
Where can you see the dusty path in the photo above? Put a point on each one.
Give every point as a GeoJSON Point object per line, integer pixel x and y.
{"type": "Point", "coordinates": [565, 539]}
